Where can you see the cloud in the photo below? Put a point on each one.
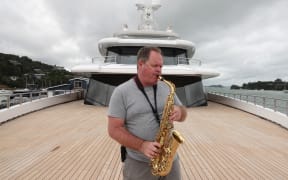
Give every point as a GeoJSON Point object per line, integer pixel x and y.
{"type": "Point", "coordinates": [251, 49]}
{"type": "Point", "coordinates": [243, 40]}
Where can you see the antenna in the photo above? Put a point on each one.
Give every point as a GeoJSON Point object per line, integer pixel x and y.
{"type": "Point", "coordinates": [147, 21]}
{"type": "Point", "coordinates": [156, 2]}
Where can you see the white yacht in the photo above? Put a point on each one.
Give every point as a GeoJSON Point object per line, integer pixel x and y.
{"type": "Point", "coordinates": [118, 61]}
{"type": "Point", "coordinates": [57, 137]}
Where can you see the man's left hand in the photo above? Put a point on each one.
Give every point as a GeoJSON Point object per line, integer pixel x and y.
{"type": "Point", "coordinates": [177, 113]}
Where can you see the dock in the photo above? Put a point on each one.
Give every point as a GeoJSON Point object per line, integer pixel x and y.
{"type": "Point", "coordinates": [70, 141]}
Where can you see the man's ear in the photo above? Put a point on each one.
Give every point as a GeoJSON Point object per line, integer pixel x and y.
{"type": "Point", "coordinates": [140, 63]}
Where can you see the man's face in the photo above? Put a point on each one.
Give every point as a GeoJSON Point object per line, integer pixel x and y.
{"type": "Point", "coordinates": [151, 69]}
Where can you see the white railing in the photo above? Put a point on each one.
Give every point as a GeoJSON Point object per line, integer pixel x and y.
{"type": "Point", "coordinates": [187, 61]}
{"type": "Point", "coordinates": [277, 105]}
{"type": "Point", "coordinates": [104, 60]}
{"type": "Point", "coordinates": [113, 60]}
{"type": "Point", "coordinates": [37, 103]}
{"type": "Point", "coordinates": [20, 98]}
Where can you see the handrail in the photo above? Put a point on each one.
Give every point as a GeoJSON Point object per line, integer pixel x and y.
{"type": "Point", "coordinates": [36, 104]}
{"type": "Point", "coordinates": [20, 98]}
{"type": "Point", "coordinates": [188, 61]}
{"type": "Point", "coordinates": [104, 59]}
{"type": "Point", "coordinates": [113, 60]}
{"type": "Point", "coordinates": [276, 104]}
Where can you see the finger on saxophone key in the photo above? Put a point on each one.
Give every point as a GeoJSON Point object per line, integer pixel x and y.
{"type": "Point", "coordinates": [157, 147]}
{"type": "Point", "coordinates": [150, 149]}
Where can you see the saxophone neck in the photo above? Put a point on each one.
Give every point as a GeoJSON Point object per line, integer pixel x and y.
{"type": "Point", "coordinates": [160, 78]}
{"type": "Point", "coordinates": [169, 83]}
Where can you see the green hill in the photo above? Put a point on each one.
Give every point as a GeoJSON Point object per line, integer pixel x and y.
{"type": "Point", "coordinates": [277, 85]}
{"type": "Point", "coordinates": [23, 72]}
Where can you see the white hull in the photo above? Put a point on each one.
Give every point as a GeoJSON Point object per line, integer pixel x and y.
{"type": "Point", "coordinates": [178, 70]}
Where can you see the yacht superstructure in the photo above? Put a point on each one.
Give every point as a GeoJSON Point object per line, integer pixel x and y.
{"type": "Point", "coordinates": [118, 61]}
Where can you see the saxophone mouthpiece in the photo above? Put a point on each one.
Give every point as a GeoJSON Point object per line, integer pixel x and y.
{"type": "Point", "coordinates": [160, 78]}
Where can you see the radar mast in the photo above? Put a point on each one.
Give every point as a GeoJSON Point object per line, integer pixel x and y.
{"type": "Point", "coordinates": [147, 21]}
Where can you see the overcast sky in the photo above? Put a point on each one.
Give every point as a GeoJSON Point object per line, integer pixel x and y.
{"type": "Point", "coordinates": [244, 40]}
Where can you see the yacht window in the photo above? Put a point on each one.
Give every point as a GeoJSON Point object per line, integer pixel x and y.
{"type": "Point", "coordinates": [124, 55]}
{"type": "Point", "coordinates": [77, 84]}
{"type": "Point", "coordinates": [111, 57]}
{"type": "Point", "coordinates": [172, 55]}
{"type": "Point", "coordinates": [182, 59]}
{"type": "Point", "coordinates": [128, 55]}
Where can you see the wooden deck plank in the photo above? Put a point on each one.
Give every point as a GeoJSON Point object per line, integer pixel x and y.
{"type": "Point", "coordinates": [70, 141]}
{"type": "Point", "coordinates": [104, 156]}
{"type": "Point", "coordinates": [232, 141]}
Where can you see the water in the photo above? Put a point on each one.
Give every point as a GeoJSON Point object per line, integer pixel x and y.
{"type": "Point", "coordinates": [276, 100]}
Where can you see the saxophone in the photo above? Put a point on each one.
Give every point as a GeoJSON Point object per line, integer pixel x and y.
{"type": "Point", "coordinates": [168, 138]}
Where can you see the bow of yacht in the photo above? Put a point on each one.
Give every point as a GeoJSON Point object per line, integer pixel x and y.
{"type": "Point", "coordinates": [70, 141]}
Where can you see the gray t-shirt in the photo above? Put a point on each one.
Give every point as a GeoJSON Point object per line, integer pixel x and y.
{"type": "Point", "coordinates": [128, 103]}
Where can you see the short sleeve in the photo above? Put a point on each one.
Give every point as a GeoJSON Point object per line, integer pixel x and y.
{"type": "Point", "coordinates": [117, 105]}
{"type": "Point", "coordinates": [177, 101]}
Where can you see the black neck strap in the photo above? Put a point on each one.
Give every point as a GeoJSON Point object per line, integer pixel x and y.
{"type": "Point", "coordinates": [141, 88]}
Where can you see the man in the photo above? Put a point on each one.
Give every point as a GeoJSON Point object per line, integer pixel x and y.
{"type": "Point", "coordinates": [134, 115]}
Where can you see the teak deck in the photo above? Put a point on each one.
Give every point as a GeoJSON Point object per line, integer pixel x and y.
{"type": "Point", "coordinates": [70, 141]}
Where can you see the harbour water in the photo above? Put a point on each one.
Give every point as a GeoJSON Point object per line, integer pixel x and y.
{"type": "Point", "coordinates": [276, 100]}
